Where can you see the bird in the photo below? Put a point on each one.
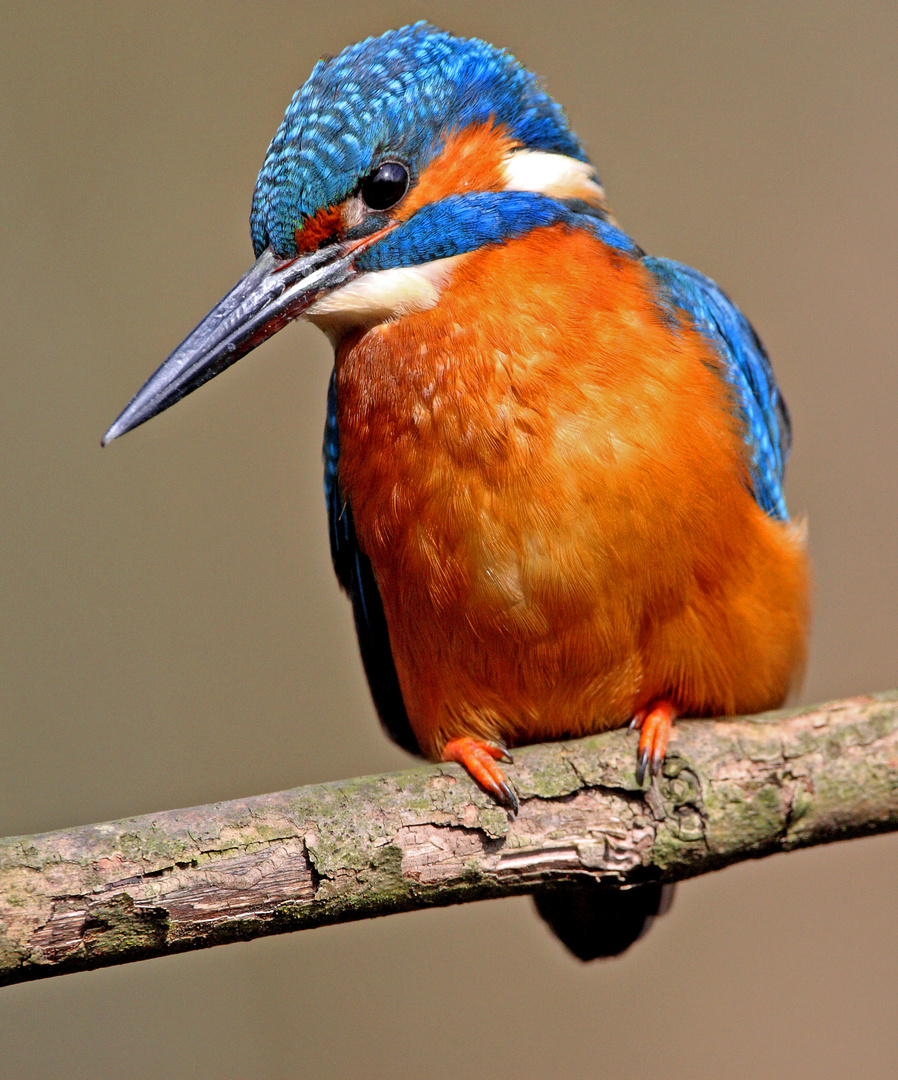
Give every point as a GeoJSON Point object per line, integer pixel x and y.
{"type": "Point", "coordinates": [553, 463]}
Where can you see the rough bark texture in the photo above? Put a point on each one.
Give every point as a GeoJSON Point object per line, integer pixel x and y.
{"type": "Point", "coordinates": [187, 879]}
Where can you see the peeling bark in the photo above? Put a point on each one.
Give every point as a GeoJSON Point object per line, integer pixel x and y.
{"type": "Point", "coordinates": [187, 879]}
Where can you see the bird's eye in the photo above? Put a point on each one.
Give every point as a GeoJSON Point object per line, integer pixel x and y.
{"type": "Point", "coordinates": [385, 186]}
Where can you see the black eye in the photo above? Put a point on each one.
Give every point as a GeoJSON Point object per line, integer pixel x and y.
{"type": "Point", "coordinates": [385, 186]}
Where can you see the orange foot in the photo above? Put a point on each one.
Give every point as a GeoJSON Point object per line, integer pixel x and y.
{"type": "Point", "coordinates": [480, 758]}
{"type": "Point", "coordinates": [655, 723]}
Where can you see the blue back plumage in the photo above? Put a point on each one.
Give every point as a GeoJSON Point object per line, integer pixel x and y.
{"type": "Point", "coordinates": [761, 406]}
{"type": "Point", "coordinates": [397, 94]}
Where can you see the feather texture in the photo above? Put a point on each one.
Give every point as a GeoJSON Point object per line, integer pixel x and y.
{"type": "Point", "coordinates": [747, 369]}
{"type": "Point", "coordinates": [550, 472]}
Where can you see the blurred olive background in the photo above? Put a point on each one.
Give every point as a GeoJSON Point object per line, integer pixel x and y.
{"type": "Point", "coordinates": [172, 631]}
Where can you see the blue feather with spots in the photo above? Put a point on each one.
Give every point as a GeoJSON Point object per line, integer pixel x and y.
{"type": "Point", "coordinates": [392, 96]}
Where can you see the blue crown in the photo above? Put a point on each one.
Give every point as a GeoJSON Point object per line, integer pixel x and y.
{"type": "Point", "coordinates": [394, 95]}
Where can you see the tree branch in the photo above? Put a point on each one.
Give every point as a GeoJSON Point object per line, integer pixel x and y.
{"type": "Point", "coordinates": [187, 879]}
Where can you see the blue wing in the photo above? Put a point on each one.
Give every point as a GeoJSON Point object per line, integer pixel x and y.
{"type": "Point", "coordinates": [767, 427]}
{"type": "Point", "coordinates": [357, 578]}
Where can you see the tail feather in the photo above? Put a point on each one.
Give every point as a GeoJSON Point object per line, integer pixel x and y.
{"type": "Point", "coordinates": [594, 920]}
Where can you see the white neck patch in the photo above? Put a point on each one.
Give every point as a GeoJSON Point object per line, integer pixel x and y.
{"type": "Point", "coordinates": [555, 175]}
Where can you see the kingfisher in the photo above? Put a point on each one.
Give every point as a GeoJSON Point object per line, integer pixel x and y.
{"type": "Point", "coordinates": [553, 464]}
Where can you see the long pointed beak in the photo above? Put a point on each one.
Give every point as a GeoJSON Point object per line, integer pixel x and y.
{"type": "Point", "coordinates": [273, 293]}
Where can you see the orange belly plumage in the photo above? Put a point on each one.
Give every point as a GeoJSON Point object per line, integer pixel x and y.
{"type": "Point", "coordinates": [550, 482]}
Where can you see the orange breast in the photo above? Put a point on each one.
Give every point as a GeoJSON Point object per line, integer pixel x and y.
{"type": "Point", "coordinates": [550, 484]}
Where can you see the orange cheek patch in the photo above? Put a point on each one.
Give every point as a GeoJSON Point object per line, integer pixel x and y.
{"type": "Point", "coordinates": [325, 224]}
{"type": "Point", "coordinates": [471, 160]}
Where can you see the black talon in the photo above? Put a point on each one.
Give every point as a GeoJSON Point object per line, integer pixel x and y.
{"type": "Point", "coordinates": [513, 805]}
{"type": "Point", "coordinates": [641, 764]}
{"type": "Point", "coordinates": [506, 796]}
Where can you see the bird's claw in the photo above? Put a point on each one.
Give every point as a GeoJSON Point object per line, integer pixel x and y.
{"type": "Point", "coordinates": [479, 759]}
{"type": "Point", "coordinates": [655, 725]}
{"type": "Point", "coordinates": [501, 753]}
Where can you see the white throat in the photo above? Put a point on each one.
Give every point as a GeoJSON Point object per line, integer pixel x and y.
{"type": "Point", "coordinates": [381, 295]}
